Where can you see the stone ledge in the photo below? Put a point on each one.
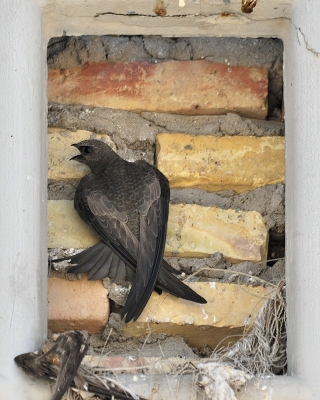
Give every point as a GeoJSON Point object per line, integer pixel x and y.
{"type": "Point", "coordinates": [236, 163]}
{"type": "Point", "coordinates": [193, 231]}
{"type": "Point", "coordinates": [229, 309]}
{"type": "Point", "coordinates": [182, 87]}
{"type": "Point", "coordinates": [81, 305]}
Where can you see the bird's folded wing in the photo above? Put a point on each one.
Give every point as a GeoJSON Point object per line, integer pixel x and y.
{"type": "Point", "coordinates": [153, 209]}
{"type": "Point", "coordinates": [95, 207]}
{"type": "Point", "coordinates": [72, 348]}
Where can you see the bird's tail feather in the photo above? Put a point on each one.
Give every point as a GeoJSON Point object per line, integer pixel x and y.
{"type": "Point", "coordinates": [171, 284]}
{"type": "Point", "coordinates": [84, 255]}
{"type": "Point", "coordinates": [99, 261]}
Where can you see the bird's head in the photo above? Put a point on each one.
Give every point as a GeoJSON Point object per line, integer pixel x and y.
{"type": "Point", "coordinates": [93, 153]}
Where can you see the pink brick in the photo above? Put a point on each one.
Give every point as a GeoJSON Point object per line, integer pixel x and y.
{"type": "Point", "coordinates": [78, 304]}
{"type": "Point", "coordinates": [184, 87]}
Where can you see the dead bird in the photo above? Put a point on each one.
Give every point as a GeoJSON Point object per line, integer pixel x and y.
{"type": "Point", "coordinates": [59, 362]}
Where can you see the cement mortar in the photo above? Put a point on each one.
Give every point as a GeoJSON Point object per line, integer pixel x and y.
{"type": "Point", "coordinates": [213, 269]}
{"type": "Point", "coordinates": [144, 346]}
{"type": "Point", "coordinates": [134, 134]}
{"type": "Point", "coordinates": [113, 342]}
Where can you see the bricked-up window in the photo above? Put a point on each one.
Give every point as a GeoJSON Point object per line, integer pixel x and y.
{"type": "Point", "coordinates": [208, 113]}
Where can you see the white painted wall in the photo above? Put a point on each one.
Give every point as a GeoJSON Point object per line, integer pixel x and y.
{"type": "Point", "coordinates": [137, 17]}
{"type": "Point", "coordinates": [23, 159]}
{"type": "Point", "coordinates": [302, 100]}
{"type": "Point", "coordinates": [23, 169]}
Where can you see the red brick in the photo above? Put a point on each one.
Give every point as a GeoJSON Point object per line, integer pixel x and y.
{"type": "Point", "coordinates": [81, 304]}
{"type": "Point", "coordinates": [184, 87]}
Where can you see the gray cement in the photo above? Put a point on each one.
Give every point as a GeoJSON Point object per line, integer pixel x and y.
{"type": "Point", "coordinates": [134, 134]}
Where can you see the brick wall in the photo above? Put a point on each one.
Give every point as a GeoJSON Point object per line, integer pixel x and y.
{"type": "Point", "coordinates": [203, 123]}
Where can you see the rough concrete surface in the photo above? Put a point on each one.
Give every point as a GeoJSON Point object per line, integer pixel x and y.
{"type": "Point", "coordinates": [134, 128]}
{"type": "Point", "coordinates": [222, 125]}
{"type": "Point", "coordinates": [154, 344]}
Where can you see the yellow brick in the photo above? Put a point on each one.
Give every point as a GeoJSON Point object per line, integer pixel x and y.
{"type": "Point", "coordinates": [65, 227]}
{"type": "Point", "coordinates": [193, 231]}
{"type": "Point", "coordinates": [60, 151]}
{"type": "Point", "coordinates": [236, 163]}
{"type": "Point", "coordinates": [196, 231]}
{"type": "Point", "coordinates": [229, 307]}
{"type": "Point", "coordinates": [184, 87]}
{"type": "Point", "coordinates": [79, 305]}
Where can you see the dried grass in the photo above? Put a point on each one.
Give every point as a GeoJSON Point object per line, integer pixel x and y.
{"type": "Point", "coordinates": [261, 351]}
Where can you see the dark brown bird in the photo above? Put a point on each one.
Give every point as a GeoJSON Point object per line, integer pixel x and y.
{"type": "Point", "coordinates": [59, 363]}
{"type": "Point", "coordinates": [127, 205]}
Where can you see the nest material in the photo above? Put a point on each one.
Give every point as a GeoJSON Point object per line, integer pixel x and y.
{"type": "Point", "coordinates": [263, 349]}
{"type": "Point", "coordinates": [220, 381]}
{"type": "Point", "coordinates": [260, 351]}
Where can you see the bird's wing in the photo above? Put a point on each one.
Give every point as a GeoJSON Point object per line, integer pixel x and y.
{"type": "Point", "coordinates": [61, 364]}
{"type": "Point", "coordinates": [153, 210]}
{"type": "Point", "coordinates": [98, 262]}
{"type": "Point", "coordinates": [95, 207]}
{"type": "Point", "coordinates": [72, 348]}
{"type": "Point", "coordinates": [58, 364]}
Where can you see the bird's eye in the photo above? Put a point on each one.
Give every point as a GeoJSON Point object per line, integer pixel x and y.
{"type": "Point", "coordinates": [86, 149]}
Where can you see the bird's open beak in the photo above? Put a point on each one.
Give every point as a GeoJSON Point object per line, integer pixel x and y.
{"type": "Point", "coordinates": [78, 157]}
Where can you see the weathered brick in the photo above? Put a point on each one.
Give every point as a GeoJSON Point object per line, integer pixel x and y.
{"type": "Point", "coordinates": [60, 151]}
{"type": "Point", "coordinates": [79, 304]}
{"type": "Point", "coordinates": [184, 87]}
{"type": "Point", "coordinates": [193, 231]}
{"type": "Point", "coordinates": [236, 163]}
{"type": "Point", "coordinates": [228, 309]}
{"type": "Point", "coordinates": [196, 231]}
{"type": "Point", "coordinates": [65, 227]}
